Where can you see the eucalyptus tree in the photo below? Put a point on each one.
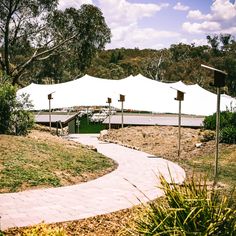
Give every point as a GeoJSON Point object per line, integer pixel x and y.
{"type": "Point", "coordinates": [34, 30]}
{"type": "Point", "coordinates": [90, 31]}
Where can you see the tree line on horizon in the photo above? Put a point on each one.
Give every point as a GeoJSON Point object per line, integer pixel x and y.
{"type": "Point", "coordinates": [41, 44]}
{"type": "Point", "coordinates": [178, 62]}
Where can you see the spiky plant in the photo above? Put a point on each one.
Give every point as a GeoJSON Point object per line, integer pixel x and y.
{"type": "Point", "coordinates": [188, 209]}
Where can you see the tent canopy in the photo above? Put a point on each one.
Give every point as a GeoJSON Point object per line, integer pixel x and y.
{"type": "Point", "coordinates": [141, 94]}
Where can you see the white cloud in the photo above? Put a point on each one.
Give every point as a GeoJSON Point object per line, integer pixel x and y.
{"type": "Point", "coordinates": [196, 42]}
{"type": "Point", "coordinates": [221, 19]}
{"type": "Point", "coordinates": [220, 10]}
{"type": "Point", "coordinates": [124, 17]}
{"type": "Point", "coordinates": [63, 4]}
{"type": "Point", "coordinates": [223, 10]}
{"type": "Point", "coordinates": [199, 42]}
{"type": "Point", "coordinates": [180, 7]}
{"type": "Point", "coordinates": [122, 12]}
{"type": "Point", "coordinates": [198, 28]}
{"type": "Point", "coordinates": [132, 36]}
{"type": "Point", "coordinates": [183, 40]}
{"type": "Point", "coordinates": [230, 30]}
{"type": "Point", "coordinates": [197, 15]}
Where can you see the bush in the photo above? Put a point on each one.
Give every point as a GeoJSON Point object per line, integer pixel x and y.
{"type": "Point", "coordinates": [226, 119]}
{"type": "Point", "coordinates": [7, 102]}
{"type": "Point", "coordinates": [228, 135]}
{"type": "Point", "coordinates": [227, 126]}
{"type": "Point", "coordinates": [189, 209]}
{"type": "Point", "coordinates": [14, 115]}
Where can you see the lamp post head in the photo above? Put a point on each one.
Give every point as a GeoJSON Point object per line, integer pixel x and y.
{"type": "Point", "coordinates": [219, 76]}
{"type": "Point", "coordinates": [180, 96]}
{"type": "Point", "coordinates": [109, 100]}
{"type": "Point", "coordinates": [122, 98]}
{"type": "Point", "coordinates": [219, 79]}
{"type": "Point", "coordinates": [50, 96]}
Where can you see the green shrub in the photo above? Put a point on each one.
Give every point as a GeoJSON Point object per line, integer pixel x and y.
{"type": "Point", "coordinates": [228, 135]}
{"type": "Point", "coordinates": [7, 103]}
{"type": "Point", "coordinates": [15, 117]}
{"type": "Point", "coordinates": [227, 126]}
{"type": "Point", "coordinates": [189, 209]}
{"type": "Point", "coordinates": [233, 119]}
{"type": "Point", "coordinates": [226, 119]}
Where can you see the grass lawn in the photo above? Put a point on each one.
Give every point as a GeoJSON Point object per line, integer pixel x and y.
{"type": "Point", "coordinates": [46, 161]}
{"type": "Point", "coordinates": [205, 165]}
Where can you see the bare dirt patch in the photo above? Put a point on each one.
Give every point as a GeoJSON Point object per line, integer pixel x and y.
{"type": "Point", "coordinates": [162, 141]}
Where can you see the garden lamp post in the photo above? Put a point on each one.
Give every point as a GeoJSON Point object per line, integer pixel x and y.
{"type": "Point", "coordinates": [219, 81]}
{"type": "Point", "coordinates": [109, 102]}
{"type": "Point", "coordinates": [122, 99]}
{"type": "Point", "coordinates": [180, 98]}
{"type": "Point", "coordinates": [49, 101]}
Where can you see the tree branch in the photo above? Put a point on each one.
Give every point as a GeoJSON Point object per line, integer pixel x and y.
{"type": "Point", "coordinates": [17, 26]}
{"type": "Point", "coordinates": [1, 28]}
{"type": "Point", "coordinates": [36, 56]}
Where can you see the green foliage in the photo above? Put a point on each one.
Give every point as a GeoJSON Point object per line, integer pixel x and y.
{"type": "Point", "coordinates": [72, 37]}
{"type": "Point", "coordinates": [210, 122]}
{"type": "Point", "coordinates": [7, 103]}
{"type": "Point", "coordinates": [90, 30]}
{"type": "Point", "coordinates": [226, 119]}
{"type": "Point", "coordinates": [116, 57]}
{"type": "Point", "coordinates": [14, 116]}
{"type": "Point", "coordinates": [188, 209]}
{"type": "Point", "coordinates": [228, 135]}
{"type": "Point", "coordinates": [16, 35]}
{"type": "Point", "coordinates": [227, 126]}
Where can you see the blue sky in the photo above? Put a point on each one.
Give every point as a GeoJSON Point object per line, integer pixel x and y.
{"type": "Point", "coordinates": [159, 23]}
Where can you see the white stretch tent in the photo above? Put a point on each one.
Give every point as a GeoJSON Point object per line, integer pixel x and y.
{"type": "Point", "coordinates": [141, 94]}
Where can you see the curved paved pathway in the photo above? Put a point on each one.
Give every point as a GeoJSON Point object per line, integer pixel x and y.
{"type": "Point", "coordinates": [135, 179]}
